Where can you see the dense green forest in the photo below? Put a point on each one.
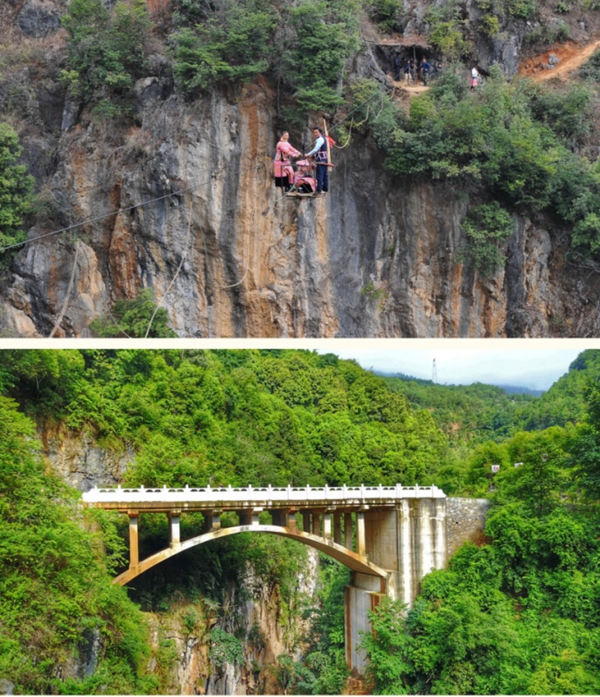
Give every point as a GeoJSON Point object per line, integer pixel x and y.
{"type": "Point", "coordinates": [518, 614]}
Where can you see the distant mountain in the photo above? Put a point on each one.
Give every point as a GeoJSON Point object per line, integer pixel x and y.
{"type": "Point", "coordinates": [483, 412]}
{"type": "Point", "coordinates": [520, 389]}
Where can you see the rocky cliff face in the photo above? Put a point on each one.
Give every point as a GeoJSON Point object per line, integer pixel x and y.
{"type": "Point", "coordinates": [253, 615]}
{"type": "Point", "coordinates": [200, 222]}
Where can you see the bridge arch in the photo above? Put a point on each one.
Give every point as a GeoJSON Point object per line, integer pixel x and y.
{"type": "Point", "coordinates": [351, 559]}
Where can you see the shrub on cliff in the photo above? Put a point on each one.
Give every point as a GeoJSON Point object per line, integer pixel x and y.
{"type": "Point", "coordinates": [511, 140]}
{"type": "Point", "coordinates": [325, 35]}
{"type": "Point", "coordinates": [106, 52]}
{"type": "Point", "coordinates": [15, 188]}
{"type": "Point", "coordinates": [239, 40]}
{"type": "Point", "coordinates": [139, 317]}
{"type": "Point", "coordinates": [233, 44]}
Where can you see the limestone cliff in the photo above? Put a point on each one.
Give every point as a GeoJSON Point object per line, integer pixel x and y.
{"type": "Point", "coordinates": [200, 222]}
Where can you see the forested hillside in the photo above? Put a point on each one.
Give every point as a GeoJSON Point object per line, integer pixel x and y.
{"type": "Point", "coordinates": [484, 412]}
{"type": "Point", "coordinates": [517, 613]}
{"type": "Point", "coordinates": [137, 140]}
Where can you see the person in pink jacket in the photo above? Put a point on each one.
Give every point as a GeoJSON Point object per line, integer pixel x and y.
{"type": "Point", "coordinates": [282, 165]}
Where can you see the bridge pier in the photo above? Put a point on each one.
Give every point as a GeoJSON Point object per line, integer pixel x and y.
{"type": "Point", "coordinates": [348, 530]}
{"type": "Point", "coordinates": [175, 529]}
{"type": "Point", "coordinates": [327, 530]}
{"type": "Point", "coordinates": [337, 527]}
{"type": "Point", "coordinates": [360, 598]}
{"type": "Point", "coordinates": [361, 537]}
{"type": "Point", "coordinates": [134, 552]}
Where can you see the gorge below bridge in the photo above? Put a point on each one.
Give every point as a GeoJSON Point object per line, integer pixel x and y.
{"type": "Point", "coordinates": [389, 536]}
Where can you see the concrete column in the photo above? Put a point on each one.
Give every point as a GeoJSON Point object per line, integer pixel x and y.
{"type": "Point", "coordinates": [175, 529]}
{"type": "Point", "coordinates": [255, 513]}
{"type": "Point", "coordinates": [208, 521]}
{"type": "Point", "coordinates": [405, 566]}
{"type": "Point", "coordinates": [425, 538]}
{"type": "Point", "coordinates": [337, 527]}
{"type": "Point", "coordinates": [361, 540]}
{"type": "Point", "coordinates": [216, 523]}
{"type": "Point", "coordinates": [306, 521]}
{"type": "Point", "coordinates": [134, 553]}
{"type": "Point", "coordinates": [316, 523]}
{"type": "Point", "coordinates": [245, 517]}
{"type": "Point", "coordinates": [440, 534]}
{"type": "Point", "coordinates": [360, 598]}
{"type": "Point", "coordinates": [348, 530]}
{"type": "Point", "coordinates": [327, 525]}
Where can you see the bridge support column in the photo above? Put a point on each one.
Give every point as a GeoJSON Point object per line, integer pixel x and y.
{"type": "Point", "coordinates": [327, 532]}
{"type": "Point", "coordinates": [440, 534]}
{"type": "Point", "coordinates": [245, 517]}
{"type": "Point", "coordinates": [360, 598]}
{"type": "Point", "coordinates": [348, 530]}
{"type": "Point", "coordinates": [280, 516]}
{"type": "Point", "coordinates": [306, 521]}
{"type": "Point", "coordinates": [425, 538]}
{"type": "Point", "coordinates": [405, 584]}
{"type": "Point", "coordinates": [337, 527]}
{"type": "Point", "coordinates": [255, 513]}
{"type": "Point", "coordinates": [361, 540]}
{"type": "Point", "coordinates": [134, 552]}
{"type": "Point", "coordinates": [208, 521]}
{"type": "Point", "coordinates": [316, 523]}
{"type": "Point", "coordinates": [175, 529]}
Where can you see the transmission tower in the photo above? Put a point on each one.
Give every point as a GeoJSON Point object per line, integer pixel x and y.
{"type": "Point", "coordinates": [434, 372]}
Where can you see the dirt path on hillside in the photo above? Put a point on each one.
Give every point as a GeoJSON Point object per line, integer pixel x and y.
{"type": "Point", "coordinates": [570, 56]}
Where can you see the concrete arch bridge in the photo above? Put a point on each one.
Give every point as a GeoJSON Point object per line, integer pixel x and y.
{"type": "Point", "coordinates": [389, 536]}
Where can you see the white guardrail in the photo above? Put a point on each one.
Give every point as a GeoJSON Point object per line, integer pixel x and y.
{"type": "Point", "coordinates": [230, 494]}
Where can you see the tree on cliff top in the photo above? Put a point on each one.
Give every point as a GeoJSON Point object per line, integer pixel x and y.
{"type": "Point", "coordinates": [15, 188]}
{"type": "Point", "coordinates": [106, 52]}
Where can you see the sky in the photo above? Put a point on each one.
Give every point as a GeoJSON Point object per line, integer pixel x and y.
{"type": "Point", "coordinates": [536, 366]}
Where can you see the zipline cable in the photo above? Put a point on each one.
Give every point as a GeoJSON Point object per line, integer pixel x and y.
{"type": "Point", "coordinates": [183, 256]}
{"type": "Point", "coordinates": [65, 304]}
{"type": "Point", "coordinates": [88, 221]}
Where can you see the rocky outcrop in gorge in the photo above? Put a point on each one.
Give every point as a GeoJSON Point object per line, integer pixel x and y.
{"type": "Point", "coordinates": [181, 200]}
{"type": "Point", "coordinates": [251, 613]}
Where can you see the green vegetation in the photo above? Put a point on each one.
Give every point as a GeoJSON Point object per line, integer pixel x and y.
{"type": "Point", "coordinates": [134, 318]}
{"type": "Point", "coordinates": [386, 13]}
{"type": "Point", "coordinates": [591, 69]}
{"type": "Point", "coordinates": [106, 52]}
{"type": "Point", "coordinates": [517, 614]}
{"type": "Point", "coordinates": [487, 227]}
{"type": "Point", "coordinates": [16, 188]}
{"type": "Point", "coordinates": [511, 142]}
{"type": "Point", "coordinates": [233, 45]}
{"type": "Point", "coordinates": [55, 582]}
{"type": "Point", "coordinates": [240, 42]}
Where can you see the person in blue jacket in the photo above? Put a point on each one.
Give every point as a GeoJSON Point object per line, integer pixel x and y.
{"type": "Point", "coordinates": [319, 150]}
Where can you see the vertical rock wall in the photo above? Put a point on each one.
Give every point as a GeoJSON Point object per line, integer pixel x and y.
{"type": "Point", "coordinates": [200, 222]}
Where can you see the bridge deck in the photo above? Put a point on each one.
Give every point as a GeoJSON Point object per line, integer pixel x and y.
{"type": "Point", "coordinates": [230, 498]}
